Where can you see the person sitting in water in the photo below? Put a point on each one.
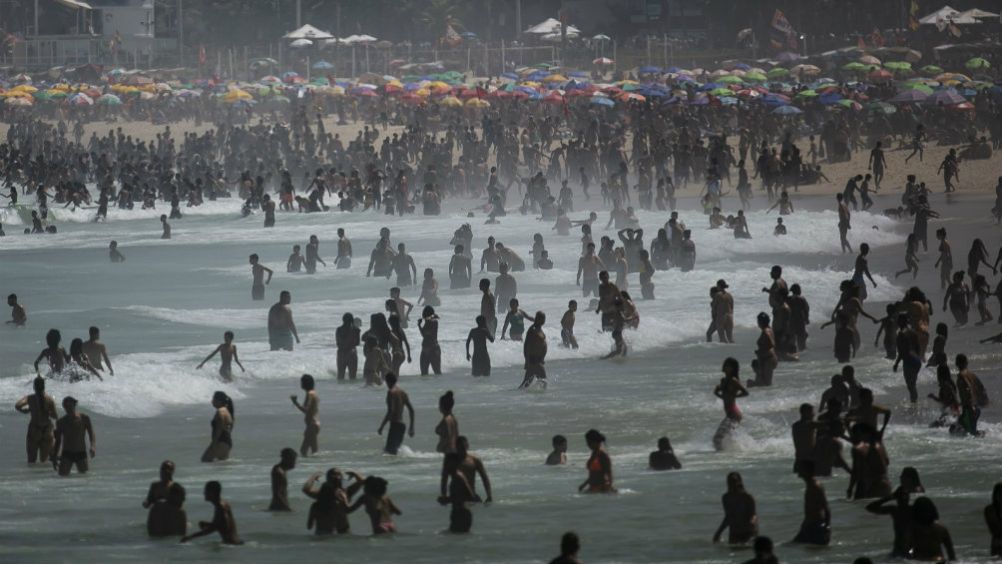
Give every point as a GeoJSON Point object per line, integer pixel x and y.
{"type": "Point", "coordinates": [664, 458]}
{"type": "Point", "coordinates": [780, 228]}
{"type": "Point", "coordinates": [559, 454]}
{"type": "Point", "coordinates": [222, 517]}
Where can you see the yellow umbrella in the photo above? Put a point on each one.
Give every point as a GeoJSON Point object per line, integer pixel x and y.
{"type": "Point", "coordinates": [477, 103]}
{"type": "Point", "coordinates": [531, 84]}
{"type": "Point", "coordinates": [422, 92]}
{"type": "Point", "coordinates": [555, 78]}
{"type": "Point", "coordinates": [25, 88]}
{"type": "Point", "coordinates": [15, 93]}
{"type": "Point", "coordinates": [451, 102]}
{"type": "Point", "coordinates": [237, 94]}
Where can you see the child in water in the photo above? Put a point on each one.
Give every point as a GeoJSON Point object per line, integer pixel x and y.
{"type": "Point", "coordinates": [559, 454]}
{"type": "Point", "coordinates": [515, 318]}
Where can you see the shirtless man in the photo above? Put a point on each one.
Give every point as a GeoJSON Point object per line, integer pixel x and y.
{"type": "Point", "coordinates": [844, 224]}
{"type": "Point", "coordinates": [17, 313]}
{"type": "Point", "coordinates": [404, 267]}
{"type": "Point", "coordinates": [96, 351]}
{"type": "Point", "coordinates": [343, 259]}
{"type": "Point", "coordinates": [505, 288]}
{"type": "Point", "coordinates": [222, 517]}
{"type": "Point", "coordinates": [861, 269]}
{"type": "Point", "coordinates": [42, 409]}
{"type": "Point", "coordinates": [489, 258]}
{"type": "Point", "coordinates": [313, 255]}
{"type": "Point", "coordinates": [114, 255]}
{"type": "Point", "coordinates": [347, 337]}
{"type": "Point", "coordinates": [280, 481]}
{"type": "Point", "coordinates": [534, 350]}
{"type": "Point", "coordinates": [460, 271]}
{"type": "Point", "coordinates": [723, 312]}
{"type": "Point", "coordinates": [775, 301]}
{"type": "Point", "coordinates": [281, 327]}
{"type": "Point", "coordinates": [607, 294]}
{"type": "Point", "coordinates": [567, 325]}
{"type": "Point", "coordinates": [396, 401]}
{"type": "Point", "coordinates": [311, 414]}
{"type": "Point", "coordinates": [488, 304]}
{"type": "Point", "coordinates": [804, 433]}
{"type": "Point", "coordinates": [589, 265]}
{"type": "Point", "coordinates": [72, 431]}
{"type": "Point", "coordinates": [816, 527]}
{"type": "Point", "coordinates": [402, 306]}
{"type": "Point", "coordinates": [227, 354]}
{"type": "Point", "coordinates": [257, 271]}
{"type": "Point", "coordinates": [470, 466]}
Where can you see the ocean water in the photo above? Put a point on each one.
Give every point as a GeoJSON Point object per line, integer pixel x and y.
{"type": "Point", "coordinates": [167, 306]}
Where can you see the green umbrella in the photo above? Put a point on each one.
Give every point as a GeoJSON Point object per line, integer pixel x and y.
{"type": "Point", "coordinates": [807, 94]}
{"type": "Point", "coordinates": [722, 92]}
{"type": "Point", "coordinates": [854, 66]}
{"type": "Point", "coordinates": [630, 87]}
{"type": "Point", "coordinates": [881, 107]}
{"type": "Point", "coordinates": [58, 95]}
{"type": "Point", "coordinates": [919, 87]}
{"type": "Point", "coordinates": [755, 76]}
{"type": "Point", "coordinates": [977, 63]}
{"type": "Point", "coordinates": [730, 79]}
{"type": "Point", "coordinates": [898, 66]}
{"type": "Point", "coordinates": [778, 72]}
{"type": "Point", "coordinates": [846, 103]}
{"type": "Point", "coordinates": [931, 70]}
{"type": "Point", "coordinates": [42, 96]}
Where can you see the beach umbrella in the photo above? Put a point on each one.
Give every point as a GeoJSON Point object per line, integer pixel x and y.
{"type": "Point", "coordinates": [830, 98]}
{"type": "Point", "coordinates": [19, 102]}
{"type": "Point", "coordinates": [451, 102]}
{"type": "Point", "coordinates": [477, 103]}
{"type": "Point", "coordinates": [963, 106]}
{"type": "Point", "coordinates": [931, 70]}
{"type": "Point", "coordinates": [806, 70]}
{"type": "Point", "coordinates": [555, 78]}
{"type": "Point", "coordinates": [300, 43]}
{"type": "Point", "coordinates": [109, 100]}
{"type": "Point", "coordinates": [898, 66]}
{"type": "Point", "coordinates": [730, 79]}
{"type": "Point", "coordinates": [912, 96]}
{"type": "Point", "coordinates": [850, 104]}
{"type": "Point", "coordinates": [924, 89]}
{"type": "Point", "coordinates": [599, 101]}
{"type": "Point", "coordinates": [787, 111]}
{"type": "Point", "coordinates": [869, 60]}
{"type": "Point", "coordinates": [777, 72]}
{"type": "Point", "coordinates": [807, 94]}
{"type": "Point", "coordinates": [728, 100]}
{"type": "Point", "coordinates": [322, 66]}
{"type": "Point", "coordinates": [854, 66]}
{"type": "Point", "coordinates": [603, 61]}
{"type": "Point", "coordinates": [977, 63]}
{"type": "Point", "coordinates": [880, 75]}
{"type": "Point", "coordinates": [722, 92]}
{"type": "Point", "coordinates": [952, 76]}
{"type": "Point", "coordinates": [945, 97]}
{"type": "Point", "coordinates": [648, 69]}
{"type": "Point", "coordinates": [80, 99]}
{"type": "Point", "coordinates": [881, 108]}
{"type": "Point", "coordinates": [602, 37]}
{"type": "Point", "coordinates": [755, 76]}
{"type": "Point", "coordinates": [776, 100]}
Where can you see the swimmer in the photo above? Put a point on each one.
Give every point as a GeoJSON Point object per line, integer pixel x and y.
{"type": "Point", "coordinates": [488, 306]}
{"type": "Point", "coordinates": [447, 428]}
{"type": "Point", "coordinates": [96, 351]}
{"type": "Point", "coordinates": [804, 433]}
{"type": "Point", "coordinates": [460, 271]}
{"type": "Point", "coordinates": [570, 545]}
{"type": "Point", "coordinates": [958, 295]}
{"type": "Point", "coordinates": [343, 259]}
{"type": "Point", "coordinates": [375, 367]}
{"type": "Point", "coordinates": [311, 414]}
{"type": "Point", "coordinates": [664, 458]}
{"type": "Point", "coordinates": [114, 254]}
{"type": "Point", "coordinates": [429, 289]}
{"type": "Point", "coordinates": [313, 255]}
{"type": "Point", "coordinates": [911, 257]}
{"type": "Point", "coordinates": [469, 465]}
{"type": "Point", "coordinates": [404, 267]}
{"type": "Point", "coordinates": [295, 262]}
{"type": "Point", "coordinates": [567, 325]}
{"type": "Point", "coordinates": [401, 307]}
{"type": "Point", "coordinates": [740, 517]}
{"type": "Point", "coordinates": [19, 317]}
{"type": "Point", "coordinates": [590, 265]}
{"type": "Point", "coordinates": [222, 517]}
{"type": "Point", "coordinates": [929, 537]}
{"type": "Point", "coordinates": [431, 352]}
{"type": "Point", "coordinates": [599, 465]}
{"type": "Point", "coordinates": [516, 319]}
{"type": "Point", "coordinates": [281, 327]}
{"type": "Point", "coordinates": [165, 226]}
{"type": "Point", "coordinates": [460, 495]}
{"type": "Point", "coordinates": [227, 355]}
{"type": "Point", "coordinates": [780, 228]}
{"type": "Point", "coordinates": [378, 506]}
{"type": "Point", "coordinates": [534, 351]}
{"type": "Point", "coordinates": [222, 429]}
{"type": "Point", "coordinates": [53, 353]}
{"type": "Point", "coordinates": [559, 454]}
{"type": "Point", "coordinates": [167, 517]}
{"type": "Point", "coordinates": [257, 272]}
{"type": "Point", "coordinates": [729, 390]}
{"type": "Point", "coordinates": [861, 269]}
{"type": "Point", "coordinates": [347, 339]}
{"type": "Point", "coordinates": [42, 409]}
{"type": "Point", "coordinates": [80, 360]}
{"type": "Point", "coordinates": [908, 355]}
{"type": "Point", "coordinates": [481, 359]}
{"type": "Point", "coordinates": [280, 481]}
{"type": "Point", "coordinates": [901, 511]}
{"type": "Point", "coordinates": [330, 511]}
{"type": "Point", "coordinates": [73, 431]}
{"type": "Point", "coordinates": [160, 489]}
{"type": "Point", "coordinates": [396, 401]}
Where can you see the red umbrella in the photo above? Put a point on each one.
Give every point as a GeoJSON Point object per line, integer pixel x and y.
{"type": "Point", "coordinates": [553, 98]}
{"type": "Point", "coordinates": [880, 74]}
{"type": "Point", "coordinates": [963, 106]}
{"type": "Point", "coordinates": [468, 93]}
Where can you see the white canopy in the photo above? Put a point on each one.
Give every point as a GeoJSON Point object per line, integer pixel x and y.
{"type": "Point", "coordinates": [978, 14]}
{"type": "Point", "coordinates": [551, 25]}
{"type": "Point", "coordinates": [947, 15]}
{"type": "Point", "coordinates": [301, 43]}
{"type": "Point", "coordinates": [358, 39]}
{"type": "Point", "coordinates": [308, 32]}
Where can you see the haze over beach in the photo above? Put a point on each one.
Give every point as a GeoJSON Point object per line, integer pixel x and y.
{"type": "Point", "coordinates": [208, 222]}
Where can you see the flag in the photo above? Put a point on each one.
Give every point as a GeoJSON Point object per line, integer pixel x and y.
{"type": "Point", "coordinates": [782, 31]}
{"type": "Point", "coordinates": [913, 21]}
{"type": "Point", "coordinates": [861, 43]}
{"type": "Point", "coordinates": [201, 55]}
{"type": "Point", "coordinates": [451, 37]}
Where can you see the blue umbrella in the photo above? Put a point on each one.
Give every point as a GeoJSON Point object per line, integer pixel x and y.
{"type": "Point", "coordinates": [830, 98]}
{"type": "Point", "coordinates": [653, 93]}
{"type": "Point", "coordinates": [599, 101]}
{"type": "Point", "coordinates": [512, 76]}
{"type": "Point", "coordinates": [787, 111]}
{"type": "Point", "coordinates": [672, 69]}
{"type": "Point", "coordinates": [945, 97]}
{"type": "Point", "coordinates": [728, 100]}
{"type": "Point", "coordinates": [712, 85]}
{"type": "Point", "coordinates": [648, 69]}
{"type": "Point", "coordinates": [773, 100]}
{"type": "Point", "coordinates": [700, 101]}
{"type": "Point", "coordinates": [322, 66]}
{"type": "Point", "coordinates": [742, 66]}
{"type": "Point", "coordinates": [576, 74]}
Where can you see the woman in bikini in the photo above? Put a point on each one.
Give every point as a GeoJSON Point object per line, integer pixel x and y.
{"type": "Point", "coordinates": [222, 428]}
{"type": "Point", "coordinates": [599, 465]}
{"type": "Point", "coordinates": [729, 391]}
{"type": "Point", "coordinates": [378, 506]}
{"type": "Point", "coordinates": [765, 353]}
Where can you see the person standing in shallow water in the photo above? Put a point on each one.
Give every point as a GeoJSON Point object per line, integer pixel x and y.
{"type": "Point", "coordinates": [258, 271]}
{"type": "Point", "coordinates": [481, 358]}
{"type": "Point", "coordinates": [816, 527]}
{"type": "Point", "coordinates": [280, 481]}
{"type": "Point", "coordinates": [311, 414]}
{"type": "Point", "coordinates": [222, 429]}
{"type": "Point", "coordinates": [599, 465]}
{"type": "Point", "coordinates": [222, 517]}
{"type": "Point", "coordinates": [740, 516]}
{"type": "Point", "coordinates": [396, 401]}
{"type": "Point", "coordinates": [228, 354]}
{"type": "Point", "coordinates": [729, 390]}
{"type": "Point", "coordinates": [72, 433]}
{"type": "Point", "coordinates": [281, 327]}
{"type": "Point", "coordinates": [534, 351]}
{"type": "Point", "coordinates": [42, 409]}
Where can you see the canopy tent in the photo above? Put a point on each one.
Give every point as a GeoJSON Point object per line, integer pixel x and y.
{"type": "Point", "coordinates": [358, 39]}
{"type": "Point", "coordinates": [551, 25]}
{"type": "Point", "coordinates": [308, 32]}
{"type": "Point", "coordinates": [947, 15]}
{"type": "Point", "coordinates": [978, 14]}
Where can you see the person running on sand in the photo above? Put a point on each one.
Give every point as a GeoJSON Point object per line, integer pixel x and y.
{"type": "Point", "coordinates": [280, 481]}
{"type": "Point", "coordinates": [222, 518]}
{"type": "Point", "coordinates": [396, 401]}
{"type": "Point", "coordinates": [222, 429]}
{"type": "Point", "coordinates": [599, 465]}
{"type": "Point", "coordinates": [729, 390]}
{"type": "Point", "coordinates": [311, 414]}
{"type": "Point", "coordinates": [42, 409]}
{"type": "Point", "coordinates": [73, 431]}
{"type": "Point", "coordinates": [740, 517]}
{"type": "Point", "coordinates": [228, 355]}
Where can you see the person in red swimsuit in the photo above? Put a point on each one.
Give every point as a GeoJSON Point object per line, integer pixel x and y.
{"type": "Point", "coordinates": [599, 465]}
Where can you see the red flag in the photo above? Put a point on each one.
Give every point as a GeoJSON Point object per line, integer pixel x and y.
{"type": "Point", "coordinates": [861, 43]}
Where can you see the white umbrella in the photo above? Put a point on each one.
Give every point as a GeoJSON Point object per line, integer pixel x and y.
{"type": "Point", "coordinates": [301, 43]}
{"type": "Point", "coordinates": [551, 25]}
{"type": "Point", "coordinates": [358, 39]}
{"type": "Point", "coordinates": [308, 32]}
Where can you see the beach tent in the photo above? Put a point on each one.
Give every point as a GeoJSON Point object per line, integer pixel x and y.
{"type": "Point", "coordinates": [359, 39]}
{"type": "Point", "coordinates": [308, 32]}
{"type": "Point", "coordinates": [549, 26]}
{"type": "Point", "coordinates": [945, 16]}
{"type": "Point", "coordinates": [979, 14]}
